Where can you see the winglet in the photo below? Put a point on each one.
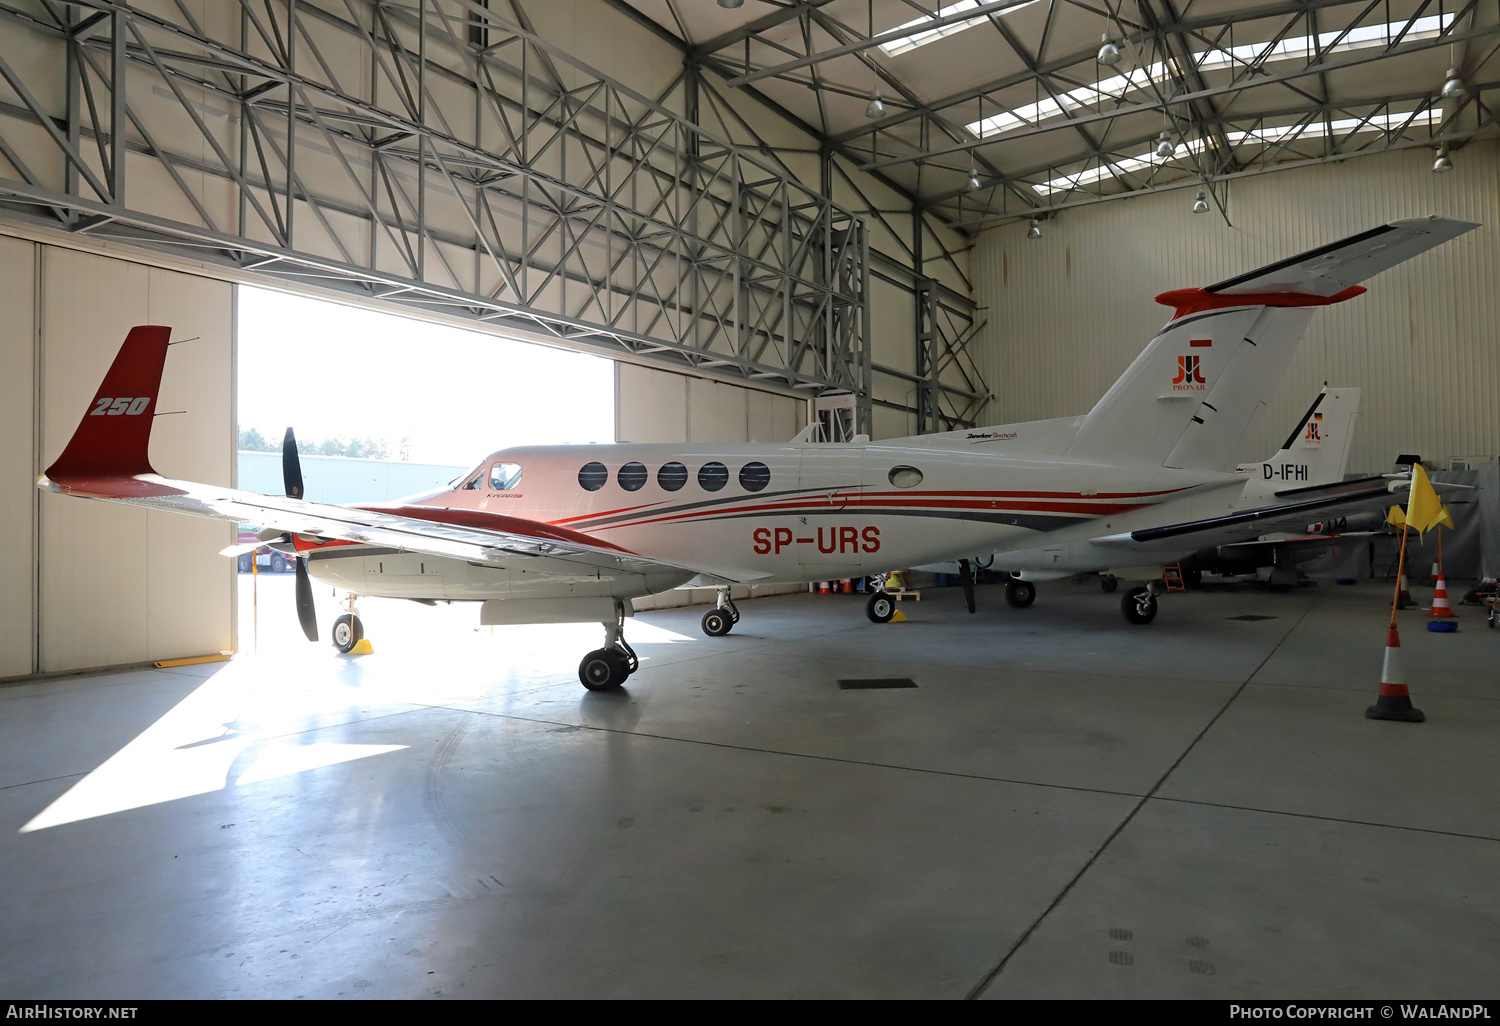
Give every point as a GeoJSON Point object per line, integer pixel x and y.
{"type": "Point", "coordinates": [108, 449]}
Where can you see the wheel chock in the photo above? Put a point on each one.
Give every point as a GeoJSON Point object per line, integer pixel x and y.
{"type": "Point", "coordinates": [362, 647]}
{"type": "Point", "coordinates": [897, 617]}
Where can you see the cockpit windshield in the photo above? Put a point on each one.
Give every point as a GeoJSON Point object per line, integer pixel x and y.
{"type": "Point", "coordinates": [472, 479]}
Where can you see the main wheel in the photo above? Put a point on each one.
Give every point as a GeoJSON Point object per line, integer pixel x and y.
{"type": "Point", "coordinates": [278, 565]}
{"type": "Point", "coordinates": [347, 630]}
{"type": "Point", "coordinates": [1020, 593]}
{"type": "Point", "coordinates": [1109, 583]}
{"type": "Point", "coordinates": [1139, 606]}
{"type": "Point", "coordinates": [717, 623]}
{"type": "Point", "coordinates": [880, 608]}
{"type": "Point", "coordinates": [603, 669]}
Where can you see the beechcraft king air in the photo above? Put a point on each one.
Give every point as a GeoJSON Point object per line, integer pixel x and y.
{"type": "Point", "coordinates": [574, 533]}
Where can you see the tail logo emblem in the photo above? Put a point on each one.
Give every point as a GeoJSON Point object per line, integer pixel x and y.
{"type": "Point", "coordinates": [1189, 374]}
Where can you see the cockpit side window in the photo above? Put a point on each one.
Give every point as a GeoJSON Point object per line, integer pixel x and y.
{"type": "Point", "coordinates": [504, 476]}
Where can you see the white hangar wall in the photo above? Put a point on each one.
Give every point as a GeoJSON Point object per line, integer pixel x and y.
{"type": "Point", "coordinates": [1069, 311]}
{"type": "Point", "coordinates": [659, 406]}
{"type": "Point", "coordinates": [91, 584]}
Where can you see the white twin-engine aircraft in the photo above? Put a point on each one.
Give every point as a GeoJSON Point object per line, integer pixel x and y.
{"type": "Point", "coordinates": [574, 533]}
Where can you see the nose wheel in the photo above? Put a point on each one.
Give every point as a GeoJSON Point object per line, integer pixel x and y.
{"type": "Point", "coordinates": [347, 630]}
{"type": "Point", "coordinates": [880, 608]}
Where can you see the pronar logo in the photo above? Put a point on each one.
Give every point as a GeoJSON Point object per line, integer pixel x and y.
{"type": "Point", "coordinates": [1189, 374]}
{"type": "Point", "coordinates": [106, 406]}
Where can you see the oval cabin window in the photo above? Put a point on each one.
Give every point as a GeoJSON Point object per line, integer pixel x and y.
{"type": "Point", "coordinates": [632, 476]}
{"type": "Point", "coordinates": [672, 476]}
{"type": "Point", "coordinates": [754, 476]}
{"type": "Point", "coordinates": [593, 476]}
{"type": "Point", "coordinates": [905, 477]}
{"type": "Point", "coordinates": [713, 476]}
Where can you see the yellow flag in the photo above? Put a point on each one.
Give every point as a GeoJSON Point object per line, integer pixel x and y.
{"type": "Point", "coordinates": [1424, 506]}
{"type": "Point", "coordinates": [1395, 517]}
{"type": "Point", "coordinates": [1444, 518]}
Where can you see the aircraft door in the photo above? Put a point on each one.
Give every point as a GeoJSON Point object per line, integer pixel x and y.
{"type": "Point", "coordinates": [827, 531]}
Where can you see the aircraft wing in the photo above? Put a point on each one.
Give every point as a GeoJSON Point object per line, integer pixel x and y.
{"type": "Point", "coordinates": [457, 533]}
{"type": "Point", "coordinates": [1329, 270]}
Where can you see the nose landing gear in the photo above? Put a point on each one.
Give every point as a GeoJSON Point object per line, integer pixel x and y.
{"type": "Point", "coordinates": [347, 629]}
{"type": "Point", "coordinates": [605, 669]}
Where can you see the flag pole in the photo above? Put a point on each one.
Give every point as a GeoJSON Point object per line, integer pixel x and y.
{"type": "Point", "coordinates": [1400, 569]}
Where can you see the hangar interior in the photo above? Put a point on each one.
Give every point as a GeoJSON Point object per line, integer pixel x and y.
{"type": "Point", "coordinates": [880, 218]}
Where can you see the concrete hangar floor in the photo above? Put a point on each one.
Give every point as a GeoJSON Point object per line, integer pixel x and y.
{"type": "Point", "coordinates": [1063, 806]}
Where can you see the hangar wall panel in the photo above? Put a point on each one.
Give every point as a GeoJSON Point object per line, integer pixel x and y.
{"type": "Point", "coordinates": [659, 406]}
{"type": "Point", "coordinates": [120, 585]}
{"type": "Point", "coordinates": [18, 497]}
{"type": "Point", "coordinates": [1069, 311]}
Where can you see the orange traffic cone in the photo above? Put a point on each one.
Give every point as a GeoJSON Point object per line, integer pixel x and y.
{"type": "Point", "coordinates": [1442, 619]}
{"type": "Point", "coordinates": [1394, 702]}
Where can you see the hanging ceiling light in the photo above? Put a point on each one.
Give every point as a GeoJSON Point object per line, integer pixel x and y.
{"type": "Point", "coordinates": [731, 5]}
{"type": "Point", "coordinates": [1164, 147]}
{"type": "Point", "coordinates": [1035, 231]}
{"type": "Point", "coordinates": [1200, 203]}
{"type": "Point", "coordinates": [875, 110]}
{"type": "Point", "coordinates": [1109, 53]}
{"type": "Point", "coordinates": [973, 176]}
{"type": "Point", "coordinates": [1453, 89]}
{"type": "Point", "coordinates": [1442, 165]}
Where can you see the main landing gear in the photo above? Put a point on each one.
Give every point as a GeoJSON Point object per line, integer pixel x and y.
{"type": "Point", "coordinates": [347, 629]}
{"type": "Point", "coordinates": [1139, 605]}
{"type": "Point", "coordinates": [720, 620]}
{"type": "Point", "coordinates": [1020, 593]}
{"type": "Point", "coordinates": [605, 669]}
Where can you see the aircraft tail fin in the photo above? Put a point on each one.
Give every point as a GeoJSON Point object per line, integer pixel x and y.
{"type": "Point", "coordinates": [1317, 450]}
{"type": "Point", "coordinates": [1195, 391]}
{"type": "Point", "coordinates": [113, 435]}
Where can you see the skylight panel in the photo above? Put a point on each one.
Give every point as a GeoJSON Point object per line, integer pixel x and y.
{"type": "Point", "coordinates": [1117, 87]}
{"type": "Point", "coordinates": [1268, 135]}
{"type": "Point", "coordinates": [908, 43]}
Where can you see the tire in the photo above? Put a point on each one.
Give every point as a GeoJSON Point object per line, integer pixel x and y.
{"type": "Point", "coordinates": [247, 562]}
{"type": "Point", "coordinates": [717, 623]}
{"type": "Point", "coordinates": [346, 632]}
{"type": "Point", "coordinates": [278, 565]}
{"type": "Point", "coordinates": [1139, 606]}
{"type": "Point", "coordinates": [1108, 583]}
{"type": "Point", "coordinates": [1020, 593]}
{"type": "Point", "coordinates": [1192, 578]}
{"type": "Point", "coordinates": [880, 608]}
{"type": "Point", "coordinates": [603, 670]}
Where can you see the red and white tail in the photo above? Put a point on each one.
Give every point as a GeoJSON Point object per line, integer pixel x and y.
{"type": "Point", "coordinates": [108, 448]}
{"type": "Point", "coordinates": [1191, 396]}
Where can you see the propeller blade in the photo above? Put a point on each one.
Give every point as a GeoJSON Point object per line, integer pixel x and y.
{"type": "Point", "coordinates": [305, 611]}
{"type": "Point", "coordinates": [966, 581]}
{"type": "Point", "coordinates": [291, 466]}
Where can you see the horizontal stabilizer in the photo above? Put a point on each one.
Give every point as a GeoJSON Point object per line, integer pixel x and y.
{"type": "Point", "coordinates": [1329, 270]}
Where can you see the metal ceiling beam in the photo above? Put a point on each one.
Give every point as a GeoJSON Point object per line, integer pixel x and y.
{"type": "Point", "coordinates": [1076, 57]}
{"type": "Point", "coordinates": [1237, 86]}
{"type": "Point", "coordinates": [630, 230]}
{"type": "Point", "coordinates": [867, 42]}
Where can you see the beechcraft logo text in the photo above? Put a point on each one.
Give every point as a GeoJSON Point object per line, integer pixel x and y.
{"type": "Point", "coordinates": [1189, 374]}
